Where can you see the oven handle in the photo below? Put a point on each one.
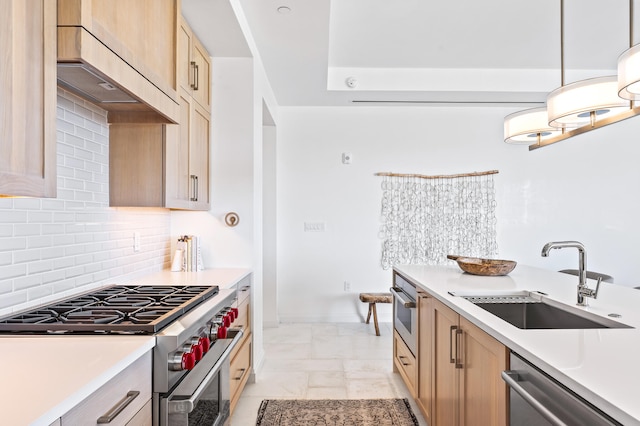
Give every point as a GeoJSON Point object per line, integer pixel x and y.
{"type": "Point", "coordinates": [510, 377]}
{"type": "Point", "coordinates": [397, 292]}
{"type": "Point", "coordinates": [188, 404]}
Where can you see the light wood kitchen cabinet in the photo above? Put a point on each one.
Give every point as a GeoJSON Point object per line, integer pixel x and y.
{"type": "Point", "coordinates": [124, 400]}
{"type": "Point", "coordinates": [467, 362]}
{"type": "Point", "coordinates": [28, 98]}
{"type": "Point", "coordinates": [130, 44]}
{"type": "Point", "coordinates": [194, 66]}
{"type": "Point", "coordinates": [405, 363]}
{"type": "Point", "coordinates": [241, 356]}
{"type": "Point", "coordinates": [424, 396]}
{"type": "Point", "coordinates": [161, 165]}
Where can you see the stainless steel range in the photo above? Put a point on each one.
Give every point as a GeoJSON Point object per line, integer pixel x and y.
{"type": "Point", "coordinates": [193, 327]}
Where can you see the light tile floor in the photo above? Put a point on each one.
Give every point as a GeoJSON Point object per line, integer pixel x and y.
{"type": "Point", "coordinates": [323, 361]}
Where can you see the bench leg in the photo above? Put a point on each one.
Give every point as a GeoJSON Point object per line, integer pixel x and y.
{"type": "Point", "coordinates": [369, 313]}
{"type": "Point", "coordinates": [375, 319]}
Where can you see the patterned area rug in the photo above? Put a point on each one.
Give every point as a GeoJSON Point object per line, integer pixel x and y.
{"type": "Point", "coordinates": [334, 412]}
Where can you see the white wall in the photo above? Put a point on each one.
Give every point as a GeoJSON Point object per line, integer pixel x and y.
{"type": "Point", "coordinates": [54, 247]}
{"type": "Point", "coordinates": [583, 189]}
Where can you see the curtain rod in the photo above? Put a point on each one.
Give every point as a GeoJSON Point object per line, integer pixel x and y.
{"type": "Point", "coordinates": [489, 172]}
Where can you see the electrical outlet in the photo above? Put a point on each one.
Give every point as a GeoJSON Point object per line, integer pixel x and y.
{"type": "Point", "coordinates": [347, 286]}
{"type": "Point", "coordinates": [314, 227]}
{"type": "Point", "coordinates": [136, 241]}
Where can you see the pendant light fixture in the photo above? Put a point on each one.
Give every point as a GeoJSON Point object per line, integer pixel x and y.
{"type": "Point", "coordinates": [529, 126]}
{"type": "Point", "coordinates": [583, 102]}
{"type": "Point", "coordinates": [629, 66]}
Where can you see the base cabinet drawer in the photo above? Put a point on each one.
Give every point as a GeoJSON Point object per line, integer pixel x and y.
{"type": "Point", "coordinates": [122, 400]}
{"type": "Point", "coordinates": [405, 363]}
{"type": "Point", "coordinates": [240, 369]}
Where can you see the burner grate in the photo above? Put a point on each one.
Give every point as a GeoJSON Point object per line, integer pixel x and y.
{"type": "Point", "coordinates": [119, 309]}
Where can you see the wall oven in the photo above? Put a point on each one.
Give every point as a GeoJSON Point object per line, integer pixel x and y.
{"type": "Point", "coordinates": [203, 397]}
{"type": "Point", "coordinates": [405, 315]}
{"type": "Point", "coordinates": [537, 399]}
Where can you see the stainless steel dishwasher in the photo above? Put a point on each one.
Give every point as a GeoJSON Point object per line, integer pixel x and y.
{"type": "Point", "coordinates": [537, 399]}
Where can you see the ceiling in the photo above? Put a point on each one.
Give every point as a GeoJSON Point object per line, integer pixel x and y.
{"type": "Point", "coordinates": [416, 52]}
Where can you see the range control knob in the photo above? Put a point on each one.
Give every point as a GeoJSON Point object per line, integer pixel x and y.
{"type": "Point", "coordinates": [205, 343]}
{"type": "Point", "coordinates": [235, 312]}
{"type": "Point", "coordinates": [196, 348]}
{"type": "Point", "coordinates": [222, 332]}
{"type": "Point", "coordinates": [226, 320]}
{"type": "Point", "coordinates": [188, 360]}
{"type": "Point", "coordinates": [182, 360]}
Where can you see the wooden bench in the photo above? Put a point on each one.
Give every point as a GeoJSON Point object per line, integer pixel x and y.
{"type": "Point", "coordinates": [372, 299]}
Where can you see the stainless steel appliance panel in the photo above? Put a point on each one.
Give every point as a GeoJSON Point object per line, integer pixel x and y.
{"type": "Point", "coordinates": [203, 397]}
{"type": "Point", "coordinates": [537, 400]}
{"type": "Point", "coordinates": [405, 315]}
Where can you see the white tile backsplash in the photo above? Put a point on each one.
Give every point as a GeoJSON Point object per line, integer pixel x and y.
{"type": "Point", "coordinates": [50, 248]}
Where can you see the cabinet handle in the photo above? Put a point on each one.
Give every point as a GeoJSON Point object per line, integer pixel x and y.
{"type": "Point", "coordinates": [242, 370]}
{"type": "Point", "coordinates": [400, 357]}
{"type": "Point", "coordinates": [194, 196]}
{"type": "Point", "coordinates": [458, 347]}
{"type": "Point", "coordinates": [452, 360]}
{"type": "Point", "coordinates": [117, 409]}
{"type": "Point", "coordinates": [196, 76]}
{"type": "Point", "coordinates": [194, 66]}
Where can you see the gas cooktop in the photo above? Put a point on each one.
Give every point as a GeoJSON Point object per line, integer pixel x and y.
{"type": "Point", "coordinates": [121, 309]}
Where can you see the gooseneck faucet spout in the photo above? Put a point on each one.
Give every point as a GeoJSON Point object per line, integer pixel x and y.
{"type": "Point", "coordinates": [583, 290]}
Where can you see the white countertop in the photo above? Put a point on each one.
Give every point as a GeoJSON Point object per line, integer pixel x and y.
{"type": "Point", "coordinates": [223, 277]}
{"type": "Point", "coordinates": [45, 376]}
{"type": "Point", "coordinates": [598, 364]}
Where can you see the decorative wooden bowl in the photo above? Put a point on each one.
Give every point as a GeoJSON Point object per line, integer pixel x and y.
{"type": "Point", "coordinates": [479, 266]}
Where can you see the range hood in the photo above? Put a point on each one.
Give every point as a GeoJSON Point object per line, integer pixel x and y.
{"type": "Point", "coordinates": [95, 72]}
{"type": "Point", "coordinates": [89, 84]}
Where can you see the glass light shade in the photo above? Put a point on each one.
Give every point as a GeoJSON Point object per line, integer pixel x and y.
{"type": "Point", "coordinates": [572, 105]}
{"type": "Point", "coordinates": [525, 127]}
{"type": "Point", "coordinates": [629, 74]}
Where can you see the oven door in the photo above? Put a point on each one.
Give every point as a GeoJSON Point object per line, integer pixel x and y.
{"type": "Point", "coordinates": [203, 396]}
{"type": "Point", "coordinates": [405, 317]}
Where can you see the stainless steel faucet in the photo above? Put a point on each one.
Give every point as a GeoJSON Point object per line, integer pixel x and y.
{"type": "Point", "coordinates": [583, 290]}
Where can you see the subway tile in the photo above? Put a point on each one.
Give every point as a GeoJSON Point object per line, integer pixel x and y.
{"type": "Point", "coordinates": [26, 230]}
{"type": "Point", "coordinates": [23, 256]}
{"type": "Point", "coordinates": [6, 258]}
{"type": "Point", "coordinates": [6, 203]}
{"type": "Point", "coordinates": [52, 204]}
{"type": "Point", "coordinates": [6, 230]}
{"type": "Point", "coordinates": [40, 291]}
{"type": "Point", "coordinates": [13, 271]}
{"type": "Point", "coordinates": [12, 299]}
{"type": "Point", "coordinates": [28, 281]}
{"type": "Point", "coordinates": [52, 228]}
{"type": "Point", "coordinates": [13, 216]}
{"type": "Point", "coordinates": [39, 217]}
{"type": "Point", "coordinates": [53, 276]}
{"type": "Point", "coordinates": [63, 263]}
{"type": "Point", "coordinates": [39, 241]}
{"type": "Point", "coordinates": [74, 118]}
{"type": "Point", "coordinates": [12, 244]}
{"type": "Point", "coordinates": [26, 203]}
{"type": "Point", "coordinates": [36, 267]}
{"type": "Point", "coordinates": [6, 286]}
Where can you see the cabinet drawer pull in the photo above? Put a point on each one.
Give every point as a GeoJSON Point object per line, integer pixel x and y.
{"type": "Point", "coordinates": [401, 357]}
{"type": "Point", "coordinates": [458, 348]}
{"type": "Point", "coordinates": [452, 329]}
{"type": "Point", "coordinates": [242, 370]}
{"type": "Point", "coordinates": [117, 409]}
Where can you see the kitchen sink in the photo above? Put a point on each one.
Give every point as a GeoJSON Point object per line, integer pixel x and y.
{"type": "Point", "coordinates": [532, 310]}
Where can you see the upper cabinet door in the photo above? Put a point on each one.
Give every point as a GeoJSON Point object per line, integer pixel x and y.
{"type": "Point", "coordinates": [194, 66]}
{"type": "Point", "coordinates": [28, 98]}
